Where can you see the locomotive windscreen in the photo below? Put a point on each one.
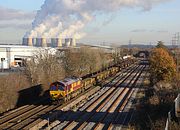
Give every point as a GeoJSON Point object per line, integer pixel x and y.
{"type": "Point", "coordinates": [57, 86]}
{"type": "Point", "coordinates": [61, 88]}
{"type": "Point", "coordinates": [53, 88]}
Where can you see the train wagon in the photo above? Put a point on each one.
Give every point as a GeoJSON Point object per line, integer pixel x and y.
{"type": "Point", "coordinates": [114, 70]}
{"type": "Point", "coordinates": [100, 76]}
{"type": "Point", "coordinates": [88, 82]}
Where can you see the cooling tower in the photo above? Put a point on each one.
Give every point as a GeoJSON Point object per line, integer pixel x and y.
{"type": "Point", "coordinates": [38, 42]}
{"type": "Point", "coordinates": [72, 42]}
{"type": "Point", "coordinates": [59, 42]}
{"type": "Point", "coordinates": [53, 42]}
{"type": "Point", "coordinates": [56, 42]}
{"type": "Point", "coordinates": [25, 41]}
{"type": "Point", "coordinates": [44, 42]}
{"type": "Point", "coordinates": [67, 42]}
{"type": "Point", "coordinates": [33, 41]}
{"type": "Point", "coordinates": [30, 41]}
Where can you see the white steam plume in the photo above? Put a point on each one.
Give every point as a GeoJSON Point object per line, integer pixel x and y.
{"type": "Point", "coordinates": [66, 18]}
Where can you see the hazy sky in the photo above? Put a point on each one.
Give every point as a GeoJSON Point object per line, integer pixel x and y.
{"type": "Point", "coordinates": [159, 23]}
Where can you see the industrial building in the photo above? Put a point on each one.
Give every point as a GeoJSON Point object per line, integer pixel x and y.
{"type": "Point", "coordinates": [13, 55]}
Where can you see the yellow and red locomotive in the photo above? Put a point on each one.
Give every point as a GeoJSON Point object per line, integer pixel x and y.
{"type": "Point", "coordinates": [65, 88]}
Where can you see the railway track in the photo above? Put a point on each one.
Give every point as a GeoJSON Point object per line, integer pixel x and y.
{"type": "Point", "coordinates": [111, 102]}
{"type": "Point", "coordinates": [100, 105]}
{"type": "Point", "coordinates": [117, 112]}
{"type": "Point", "coordinates": [103, 89]}
{"type": "Point", "coordinates": [24, 117]}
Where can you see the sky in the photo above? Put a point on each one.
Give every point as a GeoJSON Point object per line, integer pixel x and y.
{"type": "Point", "coordinates": [144, 27]}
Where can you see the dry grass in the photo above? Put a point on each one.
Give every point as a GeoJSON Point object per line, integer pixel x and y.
{"type": "Point", "coordinates": [154, 100]}
{"type": "Point", "coordinates": [146, 82]}
{"type": "Point", "coordinates": [9, 87]}
{"type": "Point", "coordinates": [153, 114]}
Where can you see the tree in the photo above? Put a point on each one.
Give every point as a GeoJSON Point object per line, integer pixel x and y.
{"type": "Point", "coordinates": [162, 66]}
{"type": "Point", "coordinates": [44, 68]}
{"type": "Point", "coordinates": [83, 61]}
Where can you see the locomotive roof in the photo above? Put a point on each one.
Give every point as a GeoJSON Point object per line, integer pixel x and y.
{"type": "Point", "coordinates": [68, 81]}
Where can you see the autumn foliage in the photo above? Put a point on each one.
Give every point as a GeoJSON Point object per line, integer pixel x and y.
{"type": "Point", "coordinates": [163, 66]}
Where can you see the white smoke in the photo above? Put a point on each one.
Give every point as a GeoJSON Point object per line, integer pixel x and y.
{"type": "Point", "coordinates": [66, 18]}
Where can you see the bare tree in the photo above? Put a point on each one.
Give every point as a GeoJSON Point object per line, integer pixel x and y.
{"type": "Point", "coordinates": [44, 68]}
{"type": "Point", "coordinates": [83, 61]}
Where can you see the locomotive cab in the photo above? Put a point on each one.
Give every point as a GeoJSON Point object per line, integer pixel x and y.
{"type": "Point", "coordinates": [57, 90]}
{"type": "Point", "coordinates": [65, 88]}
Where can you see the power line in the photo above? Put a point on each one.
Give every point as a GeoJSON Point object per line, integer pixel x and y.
{"type": "Point", "coordinates": [176, 44]}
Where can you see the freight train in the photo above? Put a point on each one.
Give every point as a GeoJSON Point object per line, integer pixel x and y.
{"type": "Point", "coordinates": [71, 87]}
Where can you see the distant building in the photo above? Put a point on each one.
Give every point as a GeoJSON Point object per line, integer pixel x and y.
{"type": "Point", "coordinates": [13, 55]}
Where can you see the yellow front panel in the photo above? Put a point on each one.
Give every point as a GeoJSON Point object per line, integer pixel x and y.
{"type": "Point", "coordinates": [57, 94]}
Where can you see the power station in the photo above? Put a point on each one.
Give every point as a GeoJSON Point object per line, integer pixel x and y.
{"type": "Point", "coordinates": [49, 42]}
